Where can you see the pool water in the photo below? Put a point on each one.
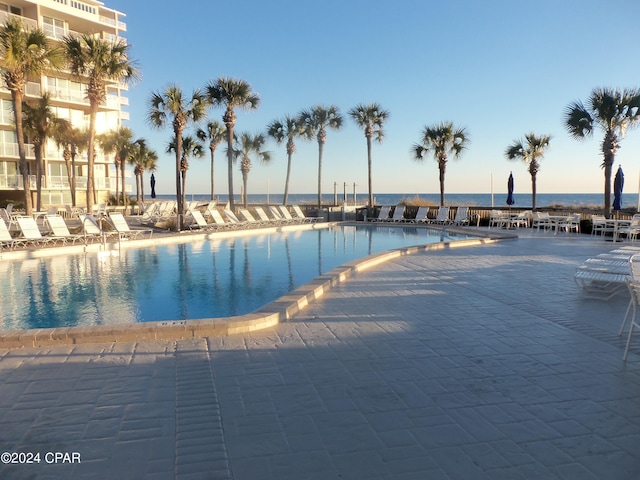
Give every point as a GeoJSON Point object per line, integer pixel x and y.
{"type": "Point", "coordinates": [204, 278]}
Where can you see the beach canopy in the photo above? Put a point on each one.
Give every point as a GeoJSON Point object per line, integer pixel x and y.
{"type": "Point", "coordinates": [153, 186]}
{"type": "Point", "coordinates": [510, 200]}
{"type": "Point", "coordinates": [618, 183]}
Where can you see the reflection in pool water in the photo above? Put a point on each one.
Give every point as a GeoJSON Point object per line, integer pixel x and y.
{"type": "Point", "coordinates": [202, 279]}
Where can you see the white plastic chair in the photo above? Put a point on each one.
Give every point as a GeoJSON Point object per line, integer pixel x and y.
{"type": "Point", "coordinates": [634, 290]}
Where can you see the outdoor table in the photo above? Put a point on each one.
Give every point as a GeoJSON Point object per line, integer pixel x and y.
{"type": "Point", "coordinates": [556, 220]}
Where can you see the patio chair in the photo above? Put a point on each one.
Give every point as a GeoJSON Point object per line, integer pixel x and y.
{"type": "Point", "coordinates": [383, 215]}
{"type": "Point", "coordinates": [6, 240]}
{"type": "Point", "coordinates": [277, 215]}
{"type": "Point", "coordinates": [197, 221]}
{"type": "Point", "coordinates": [31, 233]}
{"type": "Point", "coordinates": [59, 228]}
{"type": "Point", "coordinates": [572, 222]}
{"type": "Point", "coordinates": [284, 211]}
{"type": "Point", "coordinates": [218, 219]}
{"type": "Point", "coordinates": [541, 220]}
{"type": "Point", "coordinates": [631, 231]}
{"type": "Point", "coordinates": [235, 221]}
{"type": "Point", "coordinates": [634, 289]}
{"type": "Point", "coordinates": [497, 218]}
{"type": "Point", "coordinates": [300, 214]}
{"type": "Point", "coordinates": [93, 229]}
{"type": "Point", "coordinates": [421, 216]}
{"type": "Point", "coordinates": [122, 227]}
{"type": "Point", "coordinates": [262, 215]}
{"type": "Point", "coordinates": [462, 216]}
{"type": "Point", "coordinates": [249, 219]}
{"type": "Point", "coordinates": [443, 216]}
{"type": "Point", "coordinates": [9, 220]}
{"type": "Point", "coordinates": [398, 214]}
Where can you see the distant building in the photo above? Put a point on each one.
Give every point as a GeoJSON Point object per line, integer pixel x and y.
{"type": "Point", "coordinates": [58, 18]}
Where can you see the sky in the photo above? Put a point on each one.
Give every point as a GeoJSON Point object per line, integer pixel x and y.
{"type": "Point", "coordinates": [498, 68]}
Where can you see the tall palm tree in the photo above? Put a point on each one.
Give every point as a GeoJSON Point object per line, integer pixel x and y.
{"type": "Point", "coordinates": [288, 128]}
{"type": "Point", "coordinates": [215, 134]}
{"type": "Point", "coordinates": [39, 121]}
{"type": "Point", "coordinates": [142, 158]}
{"type": "Point", "coordinates": [371, 118]}
{"type": "Point", "coordinates": [247, 146]}
{"type": "Point", "coordinates": [530, 151]}
{"type": "Point", "coordinates": [24, 54]}
{"type": "Point", "coordinates": [316, 121]}
{"type": "Point", "coordinates": [170, 105]}
{"type": "Point", "coordinates": [441, 140]}
{"type": "Point", "coordinates": [613, 112]}
{"type": "Point", "coordinates": [98, 61]}
{"type": "Point", "coordinates": [191, 147]}
{"type": "Point", "coordinates": [119, 142]}
{"type": "Point", "coordinates": [72, 141]}
{"type": "Point", "coordinates": [232, 94]}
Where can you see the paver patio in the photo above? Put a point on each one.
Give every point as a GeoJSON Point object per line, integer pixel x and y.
{"type": "Point", "coordinates": [471, 363]}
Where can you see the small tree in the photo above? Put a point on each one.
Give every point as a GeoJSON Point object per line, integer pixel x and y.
{"type": "Point", "coordinates": [530, 151]}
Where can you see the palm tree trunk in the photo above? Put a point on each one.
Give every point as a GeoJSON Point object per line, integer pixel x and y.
{"type": "Point", "coordinates": [212, 149]}
{"type": "Point", "coordinates": [370, 170]}
{"type": "Point", "coordinates": [178, 136]}
{"type": "Point", "coordinates": [72, 184]}
{"type": "Point", "coordinates": [533, 192]}
{"type": "Point", "coordinates": [285, 199]}
{"type": "Point", "coordinates": [117, 164]}
{"type": "Point", "coordinates": [16, 98]}
{"type": "Point", "coordinates": [320, 150]}
{"type": "Point", "coordinates": [230, 164]}
{"type": "Point", "coordinates": [245, 180]}
{"type": "Point", "coordinates": [91, 193]}
{"type": "Point", "coordinates": [124, 190]}
{"type": "Point", "coordinates": [39, 155]}
{"type": "Point", "coordinates": [608, 167]}
{"type": "Point", "coordinates": [442, 166]}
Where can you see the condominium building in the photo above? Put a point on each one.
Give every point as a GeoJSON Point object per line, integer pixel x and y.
{"type": "Point", "coordinates": [59, 18]}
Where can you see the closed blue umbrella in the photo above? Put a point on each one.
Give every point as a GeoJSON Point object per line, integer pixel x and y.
{"type": "Point", "coordinates": [153, 186]}
{"type": "Point", "coordinates": [510, 200]}
{"type": "Point", "coordinates": [618, 183]}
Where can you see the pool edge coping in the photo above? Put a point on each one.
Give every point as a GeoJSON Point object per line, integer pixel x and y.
{"type": "Point", "coordinates": [277, 311]}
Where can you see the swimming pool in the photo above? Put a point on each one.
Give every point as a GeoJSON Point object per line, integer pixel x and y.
{"type": "Point", "coordinates": [204, 278]}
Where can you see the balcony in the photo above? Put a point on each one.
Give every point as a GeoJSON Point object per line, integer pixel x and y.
{"type": "Point", "coordinates": [26, 22]}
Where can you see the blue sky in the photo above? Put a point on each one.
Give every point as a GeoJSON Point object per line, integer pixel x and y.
{"type": "Point", "coordinates": [499, 68]}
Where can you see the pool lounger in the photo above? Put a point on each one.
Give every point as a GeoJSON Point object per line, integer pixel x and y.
{"type": "Point", "coordinates": [600, 285]}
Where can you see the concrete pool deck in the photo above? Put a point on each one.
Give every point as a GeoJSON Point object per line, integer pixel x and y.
{"type": "Point", "coordinates": [482, 362]}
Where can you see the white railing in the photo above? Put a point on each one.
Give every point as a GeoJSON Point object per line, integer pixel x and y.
{"type": "Point", "coordinates": [10, 181]}
{"type": "Point", "coordinates": [11, 150]}
{"type": "Point", "coordinates": [26, 22]}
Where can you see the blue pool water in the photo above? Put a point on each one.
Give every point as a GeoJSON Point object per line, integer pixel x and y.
{"type": "Point", "coordinates": [200, 279]}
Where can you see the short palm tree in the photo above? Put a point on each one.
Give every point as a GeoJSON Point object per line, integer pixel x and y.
{"type": "Point", "coordinates": [441, 140]}
{"type": "Point", "coordinates": [119, 142]}
{"type": "Point", "coordinates": [613, 112]}
{"type": "Point", "coordinates": [39, 122]}
{"type": "Point", "coordinates": [142, 158]}
{"type": "Point", "coordinates": [288, 128]}
{"type": "Point", "coordinates": [530, 151]}
{"type": "Point", "coordinates": [24, 55]}
{"type": "Point", "coordinates": [99, 62]}
{"type": "Point", "coordinates": [371, 118]}
{"type": "Point", "coordinates": [170, 106]}
{"type": "Point", "coordinates": [232, 94]}
{"type": "Point", "coordinates": [191, 147]}
{"type": "Point", "coordinates": [248, 145]}
{"type": "Point", "coordinates": [72, 141]}
{"type": "Point", "coordinates": [215, 134]}
{"type": "Point", "coordinates": [316, 121]}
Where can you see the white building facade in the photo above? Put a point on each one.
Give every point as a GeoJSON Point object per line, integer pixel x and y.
{"type": "Point", "coordinates": [59, 18]}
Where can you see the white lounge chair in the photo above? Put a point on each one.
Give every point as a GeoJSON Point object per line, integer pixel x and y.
{"type": "Point", "coordinates": [198, 221]}
{"type": "Point", "coordinates": [235, 221]}
{"type": "Point", "coordinates": [31, 232]}
{"type": "Point", "coordinates": [59, 228]}
{"type": "Point", "coordinates": [249, 219]}
{"type": "Point", "coordinates": [443, 216]}
{"type": "Point", "coordinates": [218, 220]}
{"type": "Point", "coordinates": [262, 215]}
{"type": "Point", "coordinates": [462, 216]}
{"type": "Point", "coordinates": [6, 240]}
{"type": "Point", "coordinates": [398, 214]}
{"type": "Point", "coordinates": [421, 216]}
{"type": "Point", "coordinates": [634, 289]}
{"type": "Point", "coordinates": [277, 215]}
{"type": "Point", "coordinates": [122, 227]}
{"type": "Point", "coordinates": [383, 214]}
{"type": "Point", "coordinates": [301, 216]}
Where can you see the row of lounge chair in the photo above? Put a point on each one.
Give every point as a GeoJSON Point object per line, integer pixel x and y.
{"type": "Point", "coordinates": [398, 215]}
{"type": "Point", "coordinates": [279, 215]}
{"type": "Point", "coordinates": [55, 231]}
{"type": "Point", "coordinates": [610, 273]}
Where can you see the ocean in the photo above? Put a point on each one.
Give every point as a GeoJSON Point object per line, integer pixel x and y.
{"type": "Point", "coordinates": [523, 200]}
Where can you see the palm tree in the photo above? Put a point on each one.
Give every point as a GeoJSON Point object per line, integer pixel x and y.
{"type": "Point", "coordinates": [231, 93]}
{"type": "Point", "coordinates": [371, 118]}
{"type": "Point", "coordinates": [24, 55]}
{"type": "Point", "coordinates": [142, 158]}
{"type": "Point", "coordinates": [171, 106]}
{"type": "Point", "coordinates": [119, 142]}
{"type": "Point", "coordinates": [441, 140]}
{"type": "Point", "coordinates": [191, 147]}
{"type": "Point", "coordinates": [530, 151]}
{"type": "Point", "coordinates": [39, 121]}
{"type": "Point", "coordinates": [98, 61]}
{"type": "Point", "coordinates": [315, 122]}
{"type": "Point", "coordinates": [72, 141]}
{"type": "Point", "coordinates": [613, 112]}
{"type": "Point", "coordinates": [215, 133]}
{"type": "Point", "coordinates": [289, 128]}
{"type": "Point", "coordinates": [248, 145]}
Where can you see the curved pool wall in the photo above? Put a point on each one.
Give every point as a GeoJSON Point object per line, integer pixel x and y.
{"type": "Point", "coordinates": [269, 315]}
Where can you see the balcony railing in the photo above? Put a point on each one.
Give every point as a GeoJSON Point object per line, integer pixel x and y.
{"type": "Point", "coordinates": [26, 22]}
